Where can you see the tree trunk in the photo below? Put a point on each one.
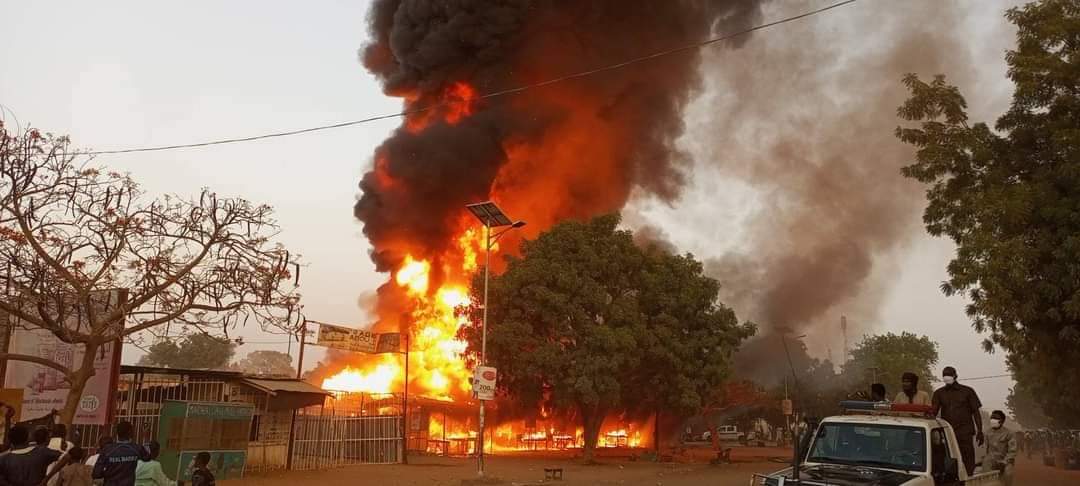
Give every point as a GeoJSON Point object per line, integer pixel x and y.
{"type": "Point", "coordinates": [78, 379]}
{"type": "Point", "coordinates": [593, 420]}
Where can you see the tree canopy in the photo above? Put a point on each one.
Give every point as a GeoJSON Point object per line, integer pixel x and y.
{"type": "Point", "coordinates": [590, 323]}
{"type": "Point", "coordinates": [1010, 199]}
{"type": "Point", "coordinates": [194, 351]}
{"type": "Point", "coordinates": [71, 231]}
{"type": "Point", "coordinates": [885, 357]}
{"type": "Point", "coordinates": [267, 363]}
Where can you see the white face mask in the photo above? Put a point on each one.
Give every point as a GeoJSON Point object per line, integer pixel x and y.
{"type": "Point", "coordinates": [949, 379]}
{"type": "Point", "coordinates": [995, 423]}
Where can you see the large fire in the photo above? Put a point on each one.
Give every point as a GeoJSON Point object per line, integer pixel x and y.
{"type": "Point", "coordinates": [433, 288]}
{"type": "Point", "coordinates": [436, 364]}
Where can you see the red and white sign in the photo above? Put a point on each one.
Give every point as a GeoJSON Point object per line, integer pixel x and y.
{"type": "Point", "coordinates": [484, 383]}
{"type": "Point", "coordinates": [45, 389]}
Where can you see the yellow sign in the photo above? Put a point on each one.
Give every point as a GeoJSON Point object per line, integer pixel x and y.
{"type": "Point", "coordinates": [12, 398]}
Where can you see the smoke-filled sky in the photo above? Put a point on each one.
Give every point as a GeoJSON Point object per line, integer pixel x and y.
{"type": "Point", "coordinates": [789, 182]}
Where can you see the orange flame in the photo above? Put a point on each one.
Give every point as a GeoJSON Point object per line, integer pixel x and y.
{"type": "Point", "coordinates": [380, 379]}
{"type": "Point", "coordinates": [435, 360]}
{"type": "Point", "coordinates": [436, 365]}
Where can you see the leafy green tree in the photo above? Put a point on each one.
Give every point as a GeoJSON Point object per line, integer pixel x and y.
{"type": "Point", "coordinates": [1022, 404]}
{"type": "Point", "coordinates": [1024, 409]}
{"type": "Point", "coordinates": [194, 351]}
{"type": "Point", "coordinates": [596, 325]}
{"type": "Point", "coordinates": [887, 357]}
{"type": "Point", "coordinates": [1010, 199]}
{"type": "Point", "coordinates": [267, 363]}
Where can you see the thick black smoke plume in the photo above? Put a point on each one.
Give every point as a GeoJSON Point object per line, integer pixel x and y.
{"type": "Point", "coordinates": [572, 149]}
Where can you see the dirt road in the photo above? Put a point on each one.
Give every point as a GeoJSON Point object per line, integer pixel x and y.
{"type": "Point", "coordinates": [437, 471]}
{"type": "Point", "coordinates": [1036, 474]}
{"type": "Point", "coordinates": [521, 470]}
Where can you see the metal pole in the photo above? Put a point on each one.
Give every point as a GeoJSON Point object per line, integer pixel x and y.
{"type": "Point", "coordinates": [483, 345]}
{"type": "Point", "coordinates": [300, 359]}
{"type": "Point", "coordinates": [405, 406]}
{"type": "Point", "coordinates": [797, 435]}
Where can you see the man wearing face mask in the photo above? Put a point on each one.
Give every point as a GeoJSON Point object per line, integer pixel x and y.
{"type": "Point", "coordinates": [959, 406]}
{"type": "Point", "coordinates": [1000, 448]}
{"type": "Point", "coordinates": [910, 392]}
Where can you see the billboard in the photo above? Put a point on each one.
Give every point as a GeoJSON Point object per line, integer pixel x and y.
{"type": "Point", "coordinates": [45, 389]}
{"type": "Point", "coordinates": [187, 428]}
{"type": "Point", "coordinates": [484, 383]}
{"type": "Point", "coordinates": [349, 339]}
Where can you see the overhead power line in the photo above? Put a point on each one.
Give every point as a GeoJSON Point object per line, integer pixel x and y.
{"type": "Point", "coordinates": [509, 91]}
{"type": "Point", "coordinates": [976, 378]}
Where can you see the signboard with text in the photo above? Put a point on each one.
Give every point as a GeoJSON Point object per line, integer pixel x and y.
{"type": "Point", "coordinates": [45, 389]}
{"type": "Point", "coordinates": [484, 383]}
{"type": "Point", "coordinates": [357, 340]}
{"type": "Point", "coordinates": [187, 428]}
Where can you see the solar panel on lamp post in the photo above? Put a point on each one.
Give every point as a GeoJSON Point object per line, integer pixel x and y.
{"type": "Point", "coordinates": [490, 216]}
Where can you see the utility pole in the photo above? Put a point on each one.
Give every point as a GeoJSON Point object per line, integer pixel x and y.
{"type": "Point", "coordinates": [300, 359]}
{"type": "Point", "coordinates": [299, 373]}
{"type": "Point", "coordinates": [492, 217]}
{"type": "Point", "coordinates": [843, 329]}
{"type": "Point", "coordinates": [405, 405]}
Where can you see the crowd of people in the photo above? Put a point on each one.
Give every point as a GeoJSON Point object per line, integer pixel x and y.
{"type": "Point", "coordinates": [1047, 442]}
{"type": "Point", "coordinates": [45, 457]}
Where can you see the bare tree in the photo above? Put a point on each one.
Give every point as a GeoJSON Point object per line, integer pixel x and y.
{"type": "Point", "coordinates": [70, 231]}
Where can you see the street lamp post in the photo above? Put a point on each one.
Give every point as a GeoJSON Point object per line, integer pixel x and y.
{"type": "Point", "coordinates": [491, 217]}
{"type": "Point", "coordinates": [796, 435]}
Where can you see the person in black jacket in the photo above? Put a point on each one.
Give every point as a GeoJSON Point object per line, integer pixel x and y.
{"type": "Point", "coordinates": [117, 461]}
{"type": "Point", "coordinates": [26, 464]}
{"type": "Point", "coordinates": [959, 405]}
{"type": "Point", "coordinates": [202, 476]}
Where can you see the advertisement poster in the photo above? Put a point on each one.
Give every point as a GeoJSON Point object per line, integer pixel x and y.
{"type": "Point", "coordinates": [348, 339]}
{"type": "Point", "coordinates": [45, 389]}
{"type": "Point", "coordinates": [484, 383]}
{"type": "Point", "coordinates": [187, 428]}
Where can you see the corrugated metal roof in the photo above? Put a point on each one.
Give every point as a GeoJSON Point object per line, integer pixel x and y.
{"type": "Point", "coordinates": [275, 386]}
{"type": "Point", "coordinates": [159, 370]}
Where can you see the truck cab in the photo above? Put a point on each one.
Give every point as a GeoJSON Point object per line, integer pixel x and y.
{"type": "Point", "coordinates": [875, 444]}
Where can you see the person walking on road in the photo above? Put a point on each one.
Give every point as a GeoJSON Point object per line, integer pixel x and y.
{"type": "Point", "coordinates": [959, 406]}
{"type": "Point", "coordinates": [910, 393]}
{"type": "Point", "coordinates": [149, 473]}
{"type": "Point", "coordinates": [1001, 448]}
{"type": "Point", "coordinates": [117, 462]}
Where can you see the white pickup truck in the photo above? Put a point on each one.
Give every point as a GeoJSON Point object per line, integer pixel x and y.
{"type": "Point", "coordinates": [881, 448]}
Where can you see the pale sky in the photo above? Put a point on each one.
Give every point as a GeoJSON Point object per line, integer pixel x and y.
{"type": "Point", "coordinates": [122, 74]}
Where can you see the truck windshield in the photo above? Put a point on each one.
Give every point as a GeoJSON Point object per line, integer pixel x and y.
{"type": "Point", "coordinates": [872, 445]}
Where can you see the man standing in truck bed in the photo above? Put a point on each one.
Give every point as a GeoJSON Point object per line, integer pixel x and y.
{"type": "Point", "coordinates": [911, 394]}
{"type": "Point", "coordinates": [959, 406]}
